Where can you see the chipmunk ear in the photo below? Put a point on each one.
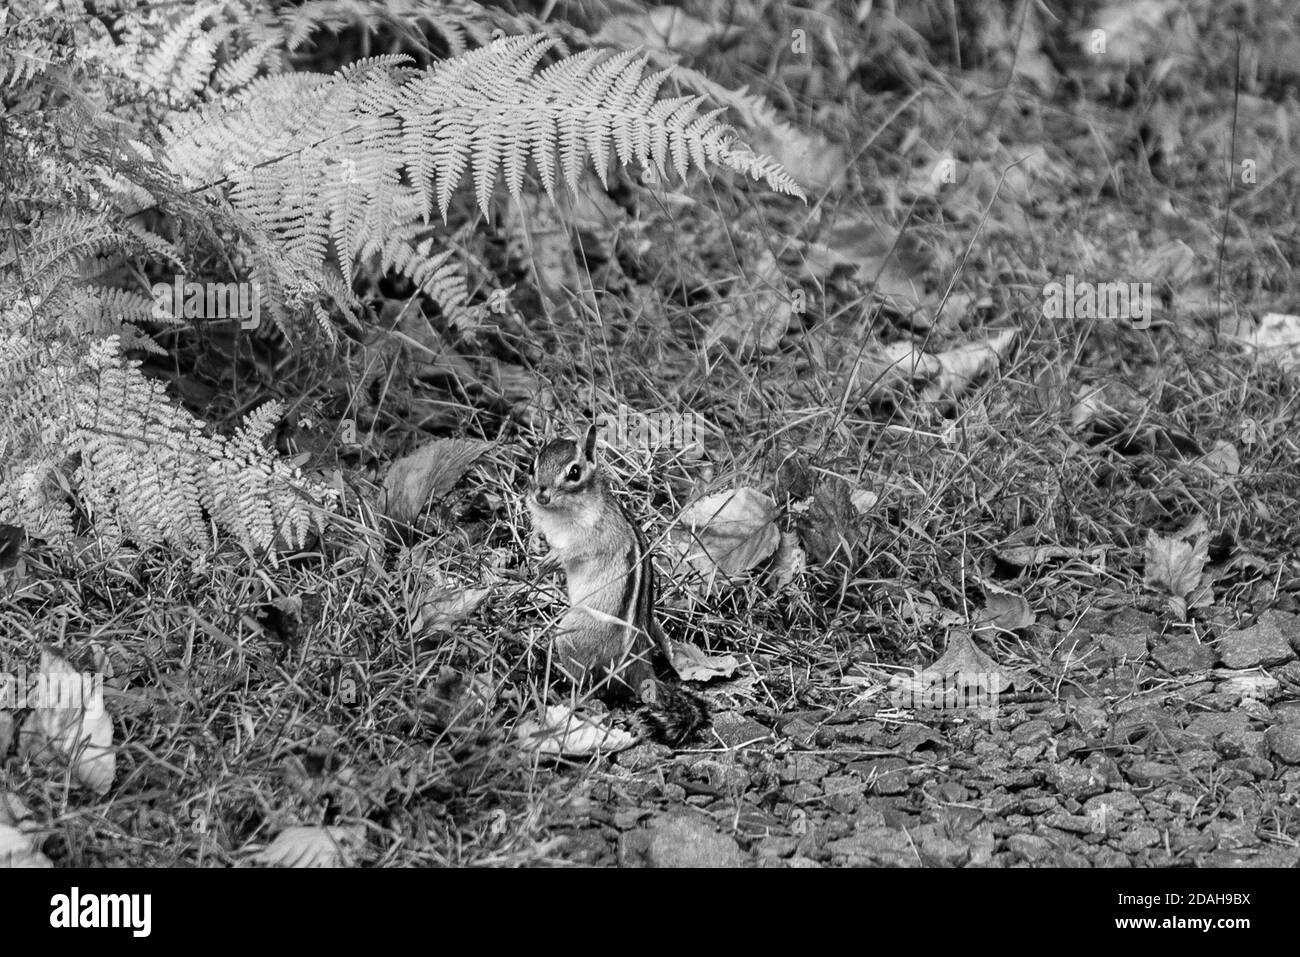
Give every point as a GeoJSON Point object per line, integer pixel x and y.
{"type": "Point", "coordinates": [589, 444]}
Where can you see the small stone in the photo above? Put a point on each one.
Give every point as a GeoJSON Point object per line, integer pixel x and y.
{"type": "Point", "coordinates": [685, 842]}
{"type": "Point", "coordinates": [736, 730]}
{"type": "Point", "coordinates": [952, 792]}
{"type": "Point", "coordinates": [1283, 740]}
{"type": "Point", "coordinates": [1129, 644]}
{"type": "Point", "coordinates": [1234, 834]}
{"type": "Point", "coordinates": [1146, 773]}
{"type": "Point", "coordinates": [1258, 768]}
{"type": "Point", "coordinates": [1135, 839]}
{"type": "Point", "coordinates": [1208, 726]}
{"type": "Point", "coordinates": [1032, 732]}
{"type": "Point", "coordinates": [1077, 782]}
{"type": "Point", "coordinates": [1113, 804]}
{"type": "Point", "coordinates": [802, 767]}
{"type": "Point", "coordinates": [800, 731]}
{"type": "Point", "coordinates": [884, 776]}
{"type": "Point", "coordinates": [879, 846]}
{"type": "Point", "coordinates": [1288, 712]}
{"type": "Point", "coordinates": [1184, 655]}
{"type": "Point", "coordinates": [1029, 847]}
{"type": "Point", "coordinates": [776, 847]}
{"type": "Point", "coordinates": [800, 792]}
{"type": "Point", "coordinates": [1240, 743]}
{"type": "Point", "coordinates": [1267, 642]}
{"type": "Point", "coordinates": [1073, 823]}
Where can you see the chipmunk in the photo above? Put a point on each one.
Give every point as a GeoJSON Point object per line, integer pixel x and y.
{"type": "Point", "coordinates": [608, 639]}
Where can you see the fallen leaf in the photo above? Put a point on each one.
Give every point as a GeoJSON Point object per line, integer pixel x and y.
{"type": "Point", "coordinates": [564, 733]}
{"type": "Point", "coordinates": [791, 561]}
{"type": "Point", "coordinates": [754, 320]}
{"type": "Point", "coordinates": [428, 473]}
{"type": "Point", "coordinates": [442, 608]}
{"type": "Point", "coordinates": [945, 375]}
{"type": "Point", "coordinates": [70, 724]}
{"type": "Point", "coordinates": [1276, 338]}
{"type": "Point", "coordinates": [963, 677]}
{"type": "Point", "coordinates": [1250, 683]}
{"type": "Point", "coordinates": [960, 367]}
{"type": "Point", "coordinates": [664, 28]}
{"type": "Point", "coordinates": [17, 849]}
{"type": "Point", "coordinates": [1026, 556]}
{"type": "Point", "coordinates": [963, 657]}
{"type": "Point", "coordinates": [302, 847]}
{"type": "Point", "coordinates": [1176, 567]}
{"type": "Point", "coordinates": [692, 664]}
{"type": "Point", "coordinates": [863, 500]}
{"type": "Point", "coordinates": [1005, 611]}
{"type": "Point", "coordinates": [727, 533]}
{"type": "Point", "coordinates": [893, 263]}
{"type": "Point", "coordinates": [19, 834]}
{"type": "Point", "coordinates": [6, 728]}
{"type": "Point", "coordinates": [1222, 459]}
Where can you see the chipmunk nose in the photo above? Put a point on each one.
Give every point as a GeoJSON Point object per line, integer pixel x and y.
{"type": "Point", "coordinates": [543, 496]}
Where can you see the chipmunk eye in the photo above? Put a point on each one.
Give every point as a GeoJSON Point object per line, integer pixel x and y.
{"type": "Point", "coordinates": [573, 474]}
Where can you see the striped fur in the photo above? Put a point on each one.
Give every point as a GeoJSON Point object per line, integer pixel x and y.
{"type": "Point", "coordinates": [609, 638]}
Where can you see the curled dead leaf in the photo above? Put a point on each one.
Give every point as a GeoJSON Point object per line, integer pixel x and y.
{"type": "Point", "coordinates": [692, 664]}
{"type": "Point", "coordinates": [18, 849]}
{"type": "Point", "coordinates": [427, 473]}
{"type": "Point", "coordinates": [726, 534]}
{"type": "Point", "coordinates": [1004, 611]}
{"type": "Point", "coordinates": [563, 733]}
{"type": "Point", "coordinates": [302, 847]}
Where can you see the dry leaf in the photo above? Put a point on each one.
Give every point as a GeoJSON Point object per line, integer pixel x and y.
{"type": "Point", "coordinates": [962, 366]}
{"type": "Point", "coordinates": [443, 607]}
{"type": "Point", "coordinates": [1005, 611]}
{"type": "Point", "coordinates": [75, 726]}
{"type": "Point", "coordinates": [563, 733]}
{"type": "Point", "coordinates": [1275, 339]}
{"type": "Point", "coordinates": [1222, 459]}
{"type": "Point", "coordinates": [963, 677]}
{"type": "Point", "coordinates": [17, 849]}
{"type": "Point", "coordinates": [756, 320]}
{"type": "Point", "coordinates": [428, 473]}
{"type": "Point", "coordinates": [692, 664]}
{"type": "Point", "coordinates": [727, 533]}
{"type": "Point", "coordinates": [791, 561]}
{"type": "Point", "coordinates": [1176, 567]}
{"type": "Point", "coordinates": [1026, 556]}
{"type": "Point", "coordinates": [946, 375]}
{"type": "Point", "coordinates": [1249, 683]}
{"type": "Point", "coordinates": [310, 847]}
{"type": "Point", "coordinates": [6, 728]}
{"type": "Point", "coordinates": [863, 500]}
{"type": "Point", "coordinates": [663, 28]}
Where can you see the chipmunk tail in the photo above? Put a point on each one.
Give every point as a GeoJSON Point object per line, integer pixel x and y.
{"type": "Point", "coordinates": [670, 714]}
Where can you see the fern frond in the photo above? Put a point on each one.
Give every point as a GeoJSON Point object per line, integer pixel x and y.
{"type": "Point", "coordinates": [138, 464]}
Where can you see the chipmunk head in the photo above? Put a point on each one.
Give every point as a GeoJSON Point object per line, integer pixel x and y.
{"type": "Point", "coordinates": [564, 470]}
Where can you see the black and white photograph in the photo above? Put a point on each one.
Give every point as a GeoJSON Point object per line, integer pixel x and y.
{"type": "Point", "coordinates": [601, 435]}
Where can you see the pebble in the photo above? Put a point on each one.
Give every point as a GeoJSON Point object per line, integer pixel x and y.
{"type": "Point", "coordinates": [1265, 643]}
